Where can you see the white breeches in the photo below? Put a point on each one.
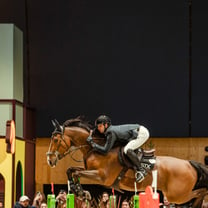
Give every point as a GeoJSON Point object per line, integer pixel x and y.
{"type": "Point", "coordinates": [143, 136]}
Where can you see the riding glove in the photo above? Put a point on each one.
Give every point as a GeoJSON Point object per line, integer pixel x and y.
{"type": "Point", "coordinates": [89, 140]}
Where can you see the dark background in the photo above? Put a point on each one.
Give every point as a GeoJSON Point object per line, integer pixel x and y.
{"type": "Point", "coordinates": [137, 61]}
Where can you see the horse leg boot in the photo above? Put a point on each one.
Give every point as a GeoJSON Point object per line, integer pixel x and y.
{"type": "Point", "coordinates": [140, 171]}
{"type": "Point", "coordinates": [72, 185]}
{"type": "Point", "coordinates": [78, 187]}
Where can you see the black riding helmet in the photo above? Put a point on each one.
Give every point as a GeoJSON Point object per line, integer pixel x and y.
{"type": "Point", "coordinates": [103, 119]}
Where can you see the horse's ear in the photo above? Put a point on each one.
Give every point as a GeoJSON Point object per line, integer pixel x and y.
{"type": "Point", "coordinates": [57, 125]}
{"type": "Point", "coordinates": [53, 123]}
{"type": "Point", "coordinates": [56, 122]}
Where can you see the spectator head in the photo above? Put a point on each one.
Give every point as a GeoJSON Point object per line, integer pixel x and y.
{"type": "Point", "coordinates": [125, 204]}
{"type": "Point", "coordinates": [43, 205]}
{"type": "Point", "coordinates": [61, 198]}
{"type": "Point", "coordinates": [105, 197]}
{"type": "Point", "coordinates": [24, 200]}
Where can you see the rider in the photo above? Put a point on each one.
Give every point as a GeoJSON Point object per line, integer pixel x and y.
{"type": "Point", "coordinates": [133, 135]}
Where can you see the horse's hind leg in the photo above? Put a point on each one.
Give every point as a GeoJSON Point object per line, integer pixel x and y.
{"type": "Point", "coordinates": [194, 203]}
{"type": "Point", "coordinates": [186, 205]}
{"type": "Point", "coordinates": [197, 203]}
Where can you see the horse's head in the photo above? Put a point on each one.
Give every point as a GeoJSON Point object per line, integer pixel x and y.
{"type": "Point", "coordinates": [66, 139]}
{"type": "Point", "coordinates": [59, 145]}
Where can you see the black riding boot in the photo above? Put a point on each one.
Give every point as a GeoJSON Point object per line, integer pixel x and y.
{"type": "Point", "coordinates": [140, 172]}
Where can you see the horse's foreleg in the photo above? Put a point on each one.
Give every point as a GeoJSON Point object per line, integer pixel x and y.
{"type": "Point", "coordinates": [71, 170]}
{"type": "Point", "coordinates": [74, 184]}
{"type": "Point", "coordinates": [74, 173]}
{"type": "Point", "coordinates": [93, 175]}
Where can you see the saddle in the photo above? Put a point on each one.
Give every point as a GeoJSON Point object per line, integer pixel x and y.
{"type": "Point", "coordinates": [147, 159]}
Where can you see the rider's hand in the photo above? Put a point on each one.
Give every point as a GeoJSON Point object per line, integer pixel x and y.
{"type": "Point", "coordinates": [93, 144]}
{"type": "Point", "coordinates": [89, 140]}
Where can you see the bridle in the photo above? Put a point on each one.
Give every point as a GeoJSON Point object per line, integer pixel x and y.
{"type": "Point", "coordinates": [69, 149]}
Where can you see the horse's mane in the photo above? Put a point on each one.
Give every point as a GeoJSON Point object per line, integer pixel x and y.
{"type": "Point", "coordinates": [78, 122]}
{"type": "Point", "coordinates": [82, 123]}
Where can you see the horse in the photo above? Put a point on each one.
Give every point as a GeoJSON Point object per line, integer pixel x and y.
{"type": "Point", "coordinates": [180, 181]}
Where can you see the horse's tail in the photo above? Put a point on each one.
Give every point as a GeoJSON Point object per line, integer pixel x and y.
{"type": "Point", "coordinates": [202, 175]}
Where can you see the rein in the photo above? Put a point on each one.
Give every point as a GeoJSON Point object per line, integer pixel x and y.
{"type": "Point", "coordinates": [69, 150]}
{"type": "Point", "coordinates": [73, 150]}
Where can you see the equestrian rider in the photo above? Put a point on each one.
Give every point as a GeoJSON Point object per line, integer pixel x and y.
{"type": "Point", "coordinates": [133, 135]}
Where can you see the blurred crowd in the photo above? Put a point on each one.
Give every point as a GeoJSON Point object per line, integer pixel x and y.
{"type": "Point", "coordinates": [86, 201]}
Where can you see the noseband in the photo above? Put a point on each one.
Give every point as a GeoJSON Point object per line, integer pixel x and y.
{"type": "Point", "coordinates": [57, 153]}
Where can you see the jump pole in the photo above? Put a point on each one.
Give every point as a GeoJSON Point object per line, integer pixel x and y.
{"type": "Point", "coordinates": [51, 200]}
{"type": "Point", "coordinates": [136, 197]}
{"type": "Point", "coordinates": [69, 198]}
{"type": "Point", "coordinates": [148, 199]}
{"type": "Point", "coordinates": [155, 197]}
{"type": "Point", "coordinates": [113, 200]}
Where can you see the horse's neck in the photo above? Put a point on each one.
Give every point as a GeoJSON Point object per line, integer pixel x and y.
{"type": "Point", "coordinates": [78, 138]}
{"type": "Point", "coordinates": [77, 134]}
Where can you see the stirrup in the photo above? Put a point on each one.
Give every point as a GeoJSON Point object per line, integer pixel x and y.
{"type": "Point", "coordinates": [139, 176]}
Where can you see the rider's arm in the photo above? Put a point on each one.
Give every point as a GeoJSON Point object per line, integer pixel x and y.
{"type": "Point", "coordinates": [110, 140]}
{"type": "Point", "coordinates": [89, 139]}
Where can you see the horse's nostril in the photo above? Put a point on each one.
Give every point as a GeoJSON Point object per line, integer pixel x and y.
{"type": "Point", "coordinates": [49, 162]}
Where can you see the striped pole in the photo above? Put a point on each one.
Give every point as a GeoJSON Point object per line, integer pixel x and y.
{"type": "Point", "coordinates": [69, 197]}
{"type": "Point", "coordinates": [136, 201]}
{"type": "Point", "coordinates": [154, 182]}
{"type": "Point", "coordinates": [136, 197]}
{"type": "Point", "coordinates": [51, 201]}
{"type": "Point", "coordinates": [113, 200]}
{"type": "Point", "coordinates": [70, 201]}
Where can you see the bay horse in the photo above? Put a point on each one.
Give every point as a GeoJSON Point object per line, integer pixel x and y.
{"type": "Point", "coordinates": [181, 181]}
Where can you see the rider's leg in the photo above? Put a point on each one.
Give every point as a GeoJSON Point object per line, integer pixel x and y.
{"type": "Point", "coordinates": [143, 135]}
{"type": "Point", "coordinates": [140, 171]}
